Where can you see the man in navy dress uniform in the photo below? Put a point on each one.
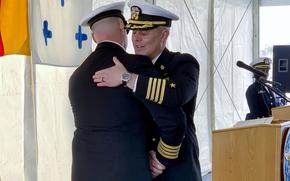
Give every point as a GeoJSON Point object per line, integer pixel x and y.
{"type": "Point", "coordinates": [109, 143]}
{"type": "Point", "coordinates": [260, 99]}
{"type": "Point", "coordinates": [177, 86]}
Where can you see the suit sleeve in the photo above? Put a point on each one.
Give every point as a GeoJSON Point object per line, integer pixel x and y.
{"type": "Point", "coordinates": [171, 125]}
{"type": "Point", "coordinates": [170, 122]}
{"type": "Point", "coordinates": [176, 90]}
{"type": "Point", "coordinates": [253, 102]}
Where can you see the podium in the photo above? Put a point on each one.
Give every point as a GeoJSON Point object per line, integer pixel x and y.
{"type": "Point", "coordinates": [253, 153]}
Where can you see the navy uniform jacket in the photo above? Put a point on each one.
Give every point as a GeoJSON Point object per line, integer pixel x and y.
{"type": "Point", "coordinates": [180, 73]}
{"type": "Point", "coordinates": [109, 142]}
{"type": "Point", "coordinates": [260, 101]}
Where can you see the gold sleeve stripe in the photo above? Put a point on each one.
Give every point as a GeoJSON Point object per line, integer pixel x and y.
{"type": "Point", "coordinates": [153, 89]}
{"type": "Point", "coordinates": [149, 88]}
{"type": "Point", "coordinates": [162, 91]}
{"type": "Point", "coordinates": [172, 154]}
{"type": "Point", "coordinates": [169, 147]}
{"type": "Point", "coordinates": [167, 152]}
{"type": "Point", "coordinates": [165, 155]}
{"type": "Point", "coordinates": [157, 90]}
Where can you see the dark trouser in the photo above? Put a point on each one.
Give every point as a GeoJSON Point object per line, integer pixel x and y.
{"type": "Point", "coordinates": [109, 157]}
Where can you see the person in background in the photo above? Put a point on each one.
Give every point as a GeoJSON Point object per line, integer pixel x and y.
{"type": "Point", "coordinates": [109, 142]}
{"type": "Point", "coordinates": [178, 87]}
{"type": "Point", "coordinates": [260, 99]}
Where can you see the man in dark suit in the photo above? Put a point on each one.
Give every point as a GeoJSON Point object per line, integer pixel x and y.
{"type": "Point", "coordinates": [110, 139]}
{"type": "Point", "coordinates": [177, 87]}
{"type": "Point", "coordinates": [260, 99]}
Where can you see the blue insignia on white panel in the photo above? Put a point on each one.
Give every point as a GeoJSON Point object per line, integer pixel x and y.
{"type": "Point", "coordinates": [62, 3]}
{"type": "Point", "coordinates": [80, 37]}
{"type": "Point", "coordinates": [46, 32]}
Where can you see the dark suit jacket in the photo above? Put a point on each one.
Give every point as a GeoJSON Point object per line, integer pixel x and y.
{"type": "Point", "coordinates": [260, 101]}
{"type": "Point", "coordinates": [181, 73]}
{"type": "Point", "coordinates": [109, 142]}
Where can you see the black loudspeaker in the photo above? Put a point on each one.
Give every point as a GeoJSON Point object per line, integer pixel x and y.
{"type": "Point", "coordinates": [281, 66]}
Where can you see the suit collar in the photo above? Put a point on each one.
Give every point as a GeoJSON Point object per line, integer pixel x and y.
{"type": "Point", "coordinates": [110, 44]}
{"type": "Point", "coordinates": [156, 58]}
{"type": "Point", "coordinates": [163, 60]}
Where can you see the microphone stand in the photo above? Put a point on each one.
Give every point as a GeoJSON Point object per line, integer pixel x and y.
{"type": "Point", "coordinates": [271, 82]}
{"type": "Point", "coordinates": [262, 80]}
{"type": "Point", "coordinates": [276, 90]}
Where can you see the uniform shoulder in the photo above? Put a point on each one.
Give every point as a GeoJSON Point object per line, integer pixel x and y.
{"type": "Point", "coordinates": [184, 58]}
{"type": "Point", "coordinates": [135, 63]}
{"type": "Point", "coordinates": [253, 86]}
{"type": "Point", "coordinates": [141, 59]}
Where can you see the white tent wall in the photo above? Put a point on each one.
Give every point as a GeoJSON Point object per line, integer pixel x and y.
{"type": "Point", "coordinates": [274, 2]}
{"type": "Point", "coordinates": [220, 100]}
{"type": "Point", "coordinates": [216, 32]}
{"type": "Point", "coordinates": [191, 35]}
{"type": "Point", "coordinates": [15, 94]}
{"type": "Point", "coordinates": [233, 32]}
{"type": "Point", "coordinates": [54, 122]}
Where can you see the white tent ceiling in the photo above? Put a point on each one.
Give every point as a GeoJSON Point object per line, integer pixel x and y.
{"type": "Point", "coordinates": [274, 2]}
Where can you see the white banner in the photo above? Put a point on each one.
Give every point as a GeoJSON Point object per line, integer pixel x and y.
{"type": "Point", "coordinates": [56, 37]}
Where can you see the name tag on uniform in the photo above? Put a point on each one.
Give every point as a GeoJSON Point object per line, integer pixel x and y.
{"type": "Point", "coordinates": [261, 92]}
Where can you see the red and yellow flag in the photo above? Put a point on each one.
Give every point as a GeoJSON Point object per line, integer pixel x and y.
{"type": "Point", "coordinates": [14, 35]}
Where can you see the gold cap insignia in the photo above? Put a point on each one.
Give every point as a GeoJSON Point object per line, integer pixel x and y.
{"type": "Point", "coordinates": [162, 67]}
{"type": "Point", "coordinates": [135, 12]}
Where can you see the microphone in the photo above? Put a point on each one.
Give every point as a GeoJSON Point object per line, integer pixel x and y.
{"type": "Point", "coordinates": [251, 69]}
{"type": "Point", "coordinates": [274, 83]}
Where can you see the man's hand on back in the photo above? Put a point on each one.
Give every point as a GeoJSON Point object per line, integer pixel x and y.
{"type": "Point", "coordinates": [110, 77]}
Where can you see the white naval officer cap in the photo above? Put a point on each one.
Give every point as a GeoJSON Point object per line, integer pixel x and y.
{"type": "Point", "coordinates": [261, 62]}
{"type": "Point", "coordinates": [110, 10]}
{"type": "Point", "coordinates": [146, 16]}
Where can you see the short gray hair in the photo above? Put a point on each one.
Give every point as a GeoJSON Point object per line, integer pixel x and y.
{"type": "Point", "coordinates": [106, 25]}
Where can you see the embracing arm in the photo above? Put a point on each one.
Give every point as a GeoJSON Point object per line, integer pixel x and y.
{"type": "Point", "coordinates": [175, 90]}
{"type": "Point", "coordinates": [171, 121]}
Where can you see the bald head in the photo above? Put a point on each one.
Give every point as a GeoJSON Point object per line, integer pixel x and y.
{"type": "Point", "coordinates": [111, 28]}
{"type": "Point", "coordinates": [106, 25]}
